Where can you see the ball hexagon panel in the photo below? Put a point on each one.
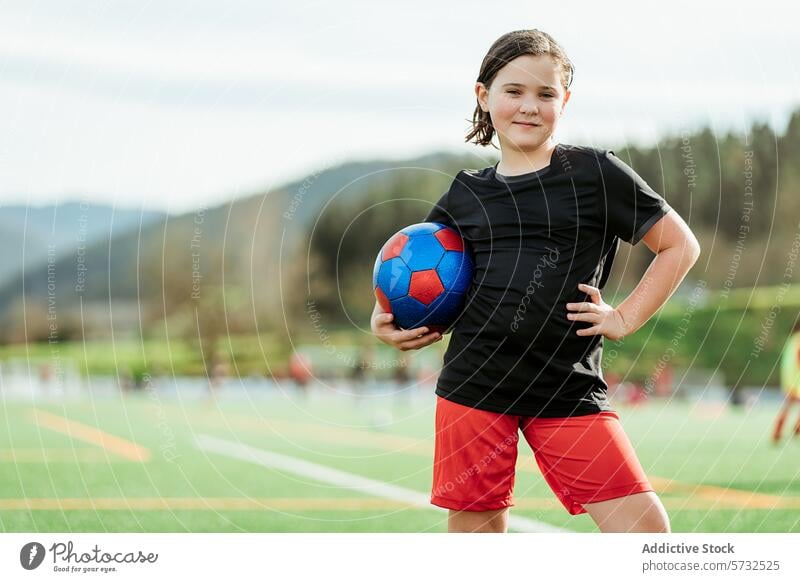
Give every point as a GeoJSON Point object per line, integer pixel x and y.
{"type": "Point", "coordinates": [394, 278]}
{"type": "Point", "coordinates": [440, 314]}
{"type": "Point", "coordinates": [412, 311]}
{"type": "Point", "coordinates": [455, 271]}
{"type": "Point", "coordinates": [422, 252]}
{"type": "Point", "coordinates": [445, 309]}
{"type": "Point", "coordinates": [425, 286]}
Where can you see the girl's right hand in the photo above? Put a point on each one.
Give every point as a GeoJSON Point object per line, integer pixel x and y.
{"type": "Point", "coordinates": [384, 328]}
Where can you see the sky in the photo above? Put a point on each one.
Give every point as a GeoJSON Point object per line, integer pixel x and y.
{"type": "Point", "coordinates": [176, 105]}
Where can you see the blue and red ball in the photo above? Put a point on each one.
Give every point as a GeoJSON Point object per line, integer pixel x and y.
{"type": "Point", "coordinates": [422, 275]}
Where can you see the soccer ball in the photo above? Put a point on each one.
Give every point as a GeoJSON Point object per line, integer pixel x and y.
{"type": "Point", "coordinates": [422, 275]}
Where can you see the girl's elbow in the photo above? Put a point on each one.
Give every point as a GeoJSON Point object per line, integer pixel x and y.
{"type": "Point", "coordinates": [693, 250]}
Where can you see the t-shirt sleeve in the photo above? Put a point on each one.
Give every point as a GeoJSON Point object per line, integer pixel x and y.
{"type": "Point", "coordinates": [440, 212]}
{"type": "Point", "coordinates": [632, 207]}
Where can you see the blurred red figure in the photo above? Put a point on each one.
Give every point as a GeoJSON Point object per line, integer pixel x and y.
{"type": "Point", "coordinates": [662, 383]}
{"type": "Point", "coordinates": [637, 394]}
{"type": "Point", "coordinates": [300, 370]}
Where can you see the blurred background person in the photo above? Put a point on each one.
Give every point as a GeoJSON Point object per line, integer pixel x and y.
{"type": "Point", "coordinates": [790, 382]}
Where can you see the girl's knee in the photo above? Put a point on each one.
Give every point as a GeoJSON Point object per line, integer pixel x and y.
{"type": "Point", "coordinates": [653, 519]}
{"type": "Point", "coordinates": [639, 513]}
{"type": "Point", "coordinates": [656, 521]}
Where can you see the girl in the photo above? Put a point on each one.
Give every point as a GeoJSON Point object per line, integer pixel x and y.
{"type": "Point", "coordinates": [543, 226]}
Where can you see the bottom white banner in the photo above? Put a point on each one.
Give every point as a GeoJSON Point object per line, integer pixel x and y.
{"type": "Point", "coordinates": [388, 557]}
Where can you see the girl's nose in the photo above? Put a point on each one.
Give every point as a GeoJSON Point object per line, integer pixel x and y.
{"type": "Point", "coordinates": [528, 105]}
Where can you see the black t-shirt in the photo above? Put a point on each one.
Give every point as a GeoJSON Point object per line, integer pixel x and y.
{"type": "Point", "coordinates": [534, 237]}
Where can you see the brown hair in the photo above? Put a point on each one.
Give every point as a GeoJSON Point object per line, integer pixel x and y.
{"type": "Point", "coordinates": [504, 50]}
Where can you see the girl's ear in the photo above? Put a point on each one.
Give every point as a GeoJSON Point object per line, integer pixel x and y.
{"type": "Point", "coordinates": [482, 93]}
{"type": "Point", "coordinates": [564, 104]}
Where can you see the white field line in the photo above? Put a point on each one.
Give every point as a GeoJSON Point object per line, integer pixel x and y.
{"type": "Point", "coordinates": [325, 474]}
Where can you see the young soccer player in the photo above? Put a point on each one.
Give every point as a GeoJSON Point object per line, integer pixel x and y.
{"type": "Point", "coordinates": [543, 226]}
{"type": "Point", "coordinates": [790, 382]}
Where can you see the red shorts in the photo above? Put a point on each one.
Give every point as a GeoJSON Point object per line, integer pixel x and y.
{"type": "Point", "coordinates": [584, 459]}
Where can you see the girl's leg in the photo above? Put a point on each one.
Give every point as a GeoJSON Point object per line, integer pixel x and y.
{"type": "Point", "coordinates": [586, 459]}
{"type": "Point", "coordinates": [639, 513]}
{"type": "Point", "coordinates": [474, 461]}
{"type": "Point", "coordinates": [494, 521]}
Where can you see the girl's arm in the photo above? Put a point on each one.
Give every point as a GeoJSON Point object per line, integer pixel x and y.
{"type": "Point", "coordinates": [676, 251]}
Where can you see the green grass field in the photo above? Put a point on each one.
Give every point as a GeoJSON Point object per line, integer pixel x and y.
{"type": "Point", "coordinates": [133, 464]}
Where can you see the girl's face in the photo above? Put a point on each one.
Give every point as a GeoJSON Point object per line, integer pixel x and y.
{"type": "Point", "coordinates": [525, 100]}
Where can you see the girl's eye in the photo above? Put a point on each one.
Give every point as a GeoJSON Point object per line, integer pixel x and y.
{"type": "Point", "coordinates": [548, 95]}
{"type": "Point", "coordinates": [513, 92]}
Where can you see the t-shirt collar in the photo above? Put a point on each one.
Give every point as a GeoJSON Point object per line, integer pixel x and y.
{"type": "Point", "coordinates": [527, 176]}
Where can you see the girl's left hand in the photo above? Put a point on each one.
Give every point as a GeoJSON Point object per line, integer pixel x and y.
{"type": "Point", "coordinates": [607, 320]}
